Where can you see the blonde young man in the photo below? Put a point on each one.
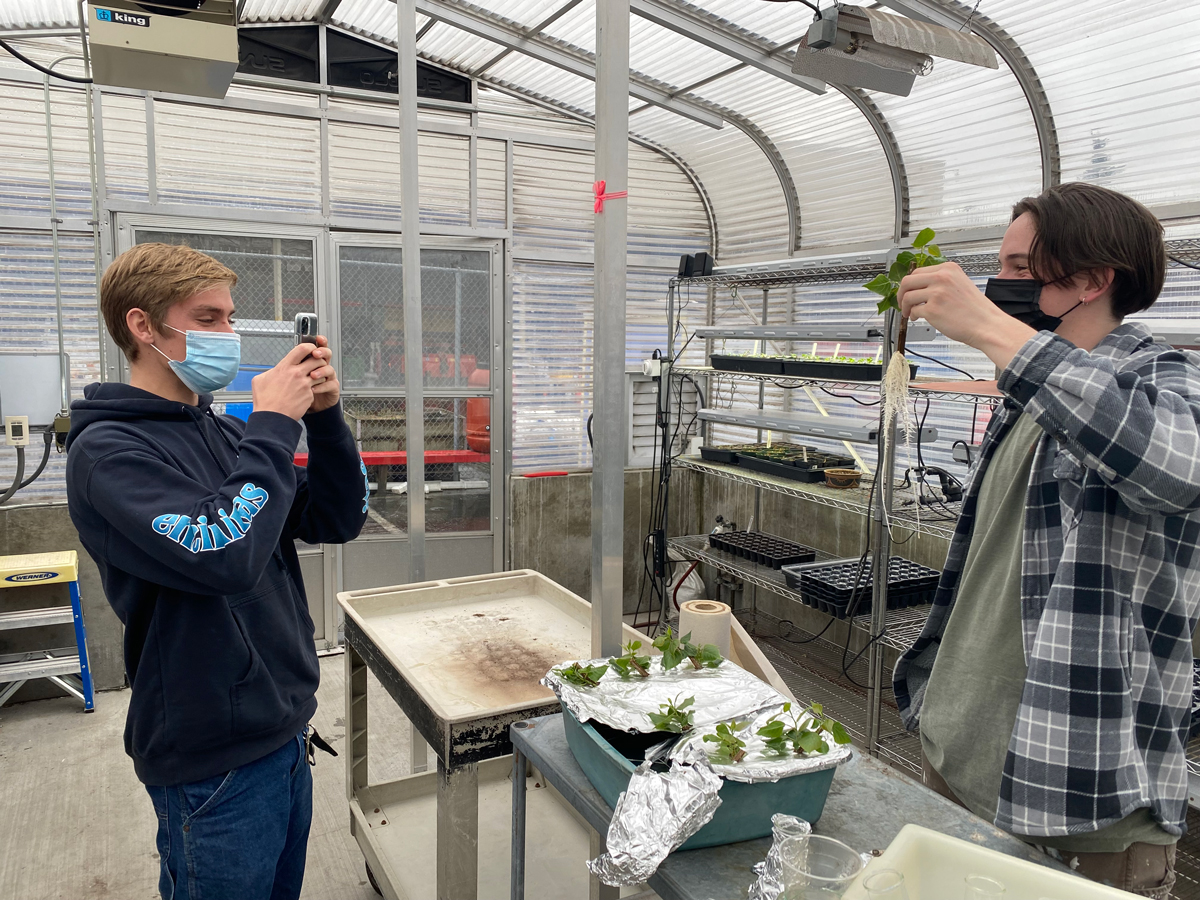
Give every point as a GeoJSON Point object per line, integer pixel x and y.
{"type": "Point", "coordinates": [192, 519]}
{"type": "Point", "coordinates": [1052, 684]}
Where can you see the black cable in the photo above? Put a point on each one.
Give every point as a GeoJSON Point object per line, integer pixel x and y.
{"type": "Point", "coordinates": [811, 6]}
{"type": "Point", "coordinates": [29, 62]}
{"type": "Point", "coordinates": [1188, 265]}
{"type": "Point", "coordinates": [848, 397]}
{"type": "Point", "coordinates": [16, 485]}
{"type": "Point", "coordinates": [792, 624]}
{"type": "Point", "coordinates": [911, 352]}
{"type": "Point", "coordinates": [49, 438]}
{"type": "Point", "coordinates": [591, 445]}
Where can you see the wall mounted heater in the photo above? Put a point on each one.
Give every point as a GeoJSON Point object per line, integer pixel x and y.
{"type": "Point", "coordinates": [175, 46]}
{"type": "Point", "coordinates": [866, 48]}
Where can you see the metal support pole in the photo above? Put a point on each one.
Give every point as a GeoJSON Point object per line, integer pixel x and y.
{"type": "Point", "coordinates": [64, 375]}
{"type": "Point", "coordinates": [90, 94]}
{"type": "Point", "coordinates": [608, 360]}
{"type": "Point", "coordinates": [410, 228]}
{"type": "Point", "coordinates": [516, 872]}
{"type": "Point", "coordinates": [277, 276]}
{"type": "Point", "coordinates": [884, 476]}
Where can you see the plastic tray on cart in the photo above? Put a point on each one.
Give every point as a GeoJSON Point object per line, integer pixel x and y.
{"type": "Point", "coordinates": [764, 549]}
{"type": "Point", "coordinates": [935, 865]}
{"type": "Point", "coordinates": [797, 469]}
{"type": "Point", "coordinates": [832, 588]}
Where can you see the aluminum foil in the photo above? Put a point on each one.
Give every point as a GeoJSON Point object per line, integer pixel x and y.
{"type": "Point", "coordinates": [769, 884]}
{"type": "Point", "coordinates": [759, 763]}
{"type": "Point", "coordinates": [654, 816]}
{"type": "Point", "coordinates": [724, 693]}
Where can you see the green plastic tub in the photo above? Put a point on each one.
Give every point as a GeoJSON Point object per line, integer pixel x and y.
{"type": "Point", "coordinates": [745, 811]}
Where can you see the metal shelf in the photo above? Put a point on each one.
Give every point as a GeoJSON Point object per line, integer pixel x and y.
{"type": "Point", "coordinates": [846, 332]}
{"type": "Point", "coordinates": [811, 424]}
{"type": "Point", "coordinates": [902, 625]}
{"type": "Point", "coordinates": [821, 271]}
{"type": "Point", "coordinates": [854, 500]}
{"type": "Point", "coordinates": [915, 387]}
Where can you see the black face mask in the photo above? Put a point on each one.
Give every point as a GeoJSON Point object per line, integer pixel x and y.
{"type": "Point", "coordinates": [1019, 297]}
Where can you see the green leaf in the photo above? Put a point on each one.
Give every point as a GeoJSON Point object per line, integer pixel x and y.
{"type": "Point", "coordinates": [809, 741]}
{"type": "Point", "coordinates": [887, 303]}
{"type": "Point", "coordinates": [621, 665]}
{"type": "Point", "coordinates": [880, 284]}
{"type": "Point", "coordinates": [926, 235]}
{"type": "Point", "coordinates": [932, 250]}
{"type": "Point", "coordinates": [838, 730]}
{"type": "Point", "coordinates": [686, 703]}
{"type": "Point", "coordinates": [772, 730]}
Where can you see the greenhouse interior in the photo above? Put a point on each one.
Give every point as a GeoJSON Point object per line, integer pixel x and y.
{"type": "Point", "coordinates": [809, 425]}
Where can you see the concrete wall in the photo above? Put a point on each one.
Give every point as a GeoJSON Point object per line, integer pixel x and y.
{"type": "Point", "coordinates": [44, 528]}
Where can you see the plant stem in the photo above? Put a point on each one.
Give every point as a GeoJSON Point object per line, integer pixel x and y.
{"type": "Point", "coordinates": [902, 335]}
{"type": "Point", "coordinates": [641, 671]}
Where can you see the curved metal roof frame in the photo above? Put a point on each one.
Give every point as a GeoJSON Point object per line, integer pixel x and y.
{"type": "Point", "coordinates": [745, 49]}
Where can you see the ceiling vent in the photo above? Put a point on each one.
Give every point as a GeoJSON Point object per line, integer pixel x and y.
{"type": "Point", "coordinates": [175, 46]}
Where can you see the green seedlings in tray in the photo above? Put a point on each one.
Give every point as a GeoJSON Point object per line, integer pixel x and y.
{"type": "Point", "coordinates": [730, 748]}
{"type": "Point", "coordinates": [676, 650]}
{"type": "Point", "coordinates": [924, 253]}
{"type": "Point", "coordinates": [581, 675]}
{"type": "Point", "coordinates": [631, 662]}
{"type": "Point", "coordinates": [675, 716]}
{"type": "Point", "coordinates": [803, 731]}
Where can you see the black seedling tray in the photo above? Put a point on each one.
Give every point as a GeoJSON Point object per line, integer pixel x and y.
{"type": "Point", "coordinates": [719, 454]}
{"type": "Point", "coordinates": [835, 371]}
{"type": "Point", "coordinates": [756, 365]}
{"type": "Point", "coordinates": [831, 588]}
{"type": "Point", "coordinates": [797, 469]}
{"type": "Point", "coordinates": [764, 549]}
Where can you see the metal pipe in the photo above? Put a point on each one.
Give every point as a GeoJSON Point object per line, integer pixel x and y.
{"type": "Point", "coordinates": [64, 374]}
{"type": "Point", "coordinates": [410, 228]}
{"type": "Point", "coordinates": [90, 94]}
{"type": "Point", "coordinates": [608, 360]}
{"type": "Point", "coordinates": [884, 476]}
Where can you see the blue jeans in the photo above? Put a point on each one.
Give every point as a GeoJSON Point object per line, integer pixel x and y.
{"type": "Point", "coordinates": [238, 836]}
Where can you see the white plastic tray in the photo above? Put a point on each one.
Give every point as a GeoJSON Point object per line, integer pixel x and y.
{"type": "Point", "coordinates": [934, 866]}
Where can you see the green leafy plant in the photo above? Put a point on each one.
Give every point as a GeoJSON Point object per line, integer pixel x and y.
{"type": "Point", "coordinates": [802, 731]}
{"type": "Point", "coordinates": [581, 675]}
{"type": "Point", "coordinates": [675, 650]}
{"type": "Point", "coordinates": [631, 662]}
{"type": "Point", "coordinates": [675, 716]}
{"type": "Point", "coordinates": [924, 253]}
{"type": "Point", "coordinates": [730, 748]}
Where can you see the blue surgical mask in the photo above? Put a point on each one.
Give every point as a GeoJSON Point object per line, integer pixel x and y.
{"type": "Point", "coordinates": [212, 360]}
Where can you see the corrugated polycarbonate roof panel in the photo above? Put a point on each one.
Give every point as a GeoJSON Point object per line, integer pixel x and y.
{"type": "Point", "coordinates": [841, 173]}
{"type": "Point", "coordinates": [747, 199]}
{"type": "Point", "coordinates": [457, 49]}
{"type": "Point", "coordinates": [1124, 86]}
{"type": "Point", "coordinates": [373, 18]}
{"type": "Point", "coordinates": [547, 80]}
{"type": "Point", "coordinates": [969, 145]}
{"type": "Point", "coordinates": [281, 10]}
{"type": "Point", "coordinates": [527, 13]}
{"type": "Point", "coordinates": [39, 14]}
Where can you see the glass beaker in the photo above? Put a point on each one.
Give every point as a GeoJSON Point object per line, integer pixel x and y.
{"type": "Point", "coordinates": [980, 887]}
{"type": "Point", "coordinates": [885, 884]}
{"type": "Point", "coordinates": [822, 871]}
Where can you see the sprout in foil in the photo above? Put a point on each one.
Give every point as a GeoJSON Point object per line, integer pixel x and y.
{"type": "Point", "coordinates": [675, 716]}
{"type": "Point", "coordinates": [730, 748]}
{"type": "Point", "coordinates": [631, 662]}
{"type": "Point", "coordinates": [676, 650]}
{"type": "Point", "coordinates": [582, 675]}
{"type": "Point", "coordinates": [804, 731]}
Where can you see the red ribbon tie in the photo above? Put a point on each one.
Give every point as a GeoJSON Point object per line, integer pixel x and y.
{"type": "Point", "coordinates": [598, 189]}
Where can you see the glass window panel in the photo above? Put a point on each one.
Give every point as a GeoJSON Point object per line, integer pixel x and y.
{"type": "Point", "coordinates": [275, 281]}
{"type": "Point", "coordinates": [457, 463]}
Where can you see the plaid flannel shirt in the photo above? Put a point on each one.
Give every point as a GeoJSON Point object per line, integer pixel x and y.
{"type": "Point", "coordinates": [1110, 583]}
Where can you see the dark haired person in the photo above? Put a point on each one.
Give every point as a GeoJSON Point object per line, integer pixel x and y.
{"type": "Point", "coordinates": [1052, 683]}
{"type": "Point", "coordinates": [192, 518]}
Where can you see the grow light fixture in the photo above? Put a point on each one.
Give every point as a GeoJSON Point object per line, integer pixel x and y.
{"type": "Point", "coordinates": [866, 48]}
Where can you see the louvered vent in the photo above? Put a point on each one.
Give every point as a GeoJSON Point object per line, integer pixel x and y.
{"type": "Point", "coordinates": [641, 397]}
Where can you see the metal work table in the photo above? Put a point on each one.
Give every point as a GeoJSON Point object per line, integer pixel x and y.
{"type": "Point", "coordinates": [868, 805]}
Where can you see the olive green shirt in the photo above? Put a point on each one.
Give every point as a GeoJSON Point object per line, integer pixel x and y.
{"type": "Point", "coordinates": [975, 687]}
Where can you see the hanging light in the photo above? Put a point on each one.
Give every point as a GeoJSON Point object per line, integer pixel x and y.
{"type": "Point", "coordinates": [866, 48]}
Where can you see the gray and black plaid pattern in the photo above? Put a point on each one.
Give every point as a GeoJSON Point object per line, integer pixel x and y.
{"type": "Point", "coordinates": [1110, 583]}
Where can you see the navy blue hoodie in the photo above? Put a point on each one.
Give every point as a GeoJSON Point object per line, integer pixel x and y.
{"type": "Point", "coordinates": [191, 518]}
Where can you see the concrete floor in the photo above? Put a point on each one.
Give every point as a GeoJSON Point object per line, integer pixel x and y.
{"type": "Point", "coordinates": [75, 823]}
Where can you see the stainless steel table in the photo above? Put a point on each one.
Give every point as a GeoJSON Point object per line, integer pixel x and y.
{"type": "Point", "coordinates": [868, 805]}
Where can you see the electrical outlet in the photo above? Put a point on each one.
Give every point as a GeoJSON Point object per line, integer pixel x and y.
{"type": "Point", "coordinates": [652, 367]}
{"type": "Point", "coordinates": [16, 431]}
